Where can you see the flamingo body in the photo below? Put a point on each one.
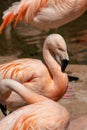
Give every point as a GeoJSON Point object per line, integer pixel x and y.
{"type": "Point", "coordinates": [44, 14]}
{"type": "Point", "coordinates": [47, 80]}
{"type": "Point", "coordinates": [42, 114]}
{"type": "Point", "coordinates": [46, 115]}
{"type": "Point", "coordinates": [31, 73]}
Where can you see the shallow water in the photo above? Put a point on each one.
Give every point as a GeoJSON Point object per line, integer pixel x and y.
{"type": "Point", "coordinates": [22, 40]}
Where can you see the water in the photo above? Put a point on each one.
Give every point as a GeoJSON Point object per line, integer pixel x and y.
{"type": "Point", "coordinates": [27, 41]}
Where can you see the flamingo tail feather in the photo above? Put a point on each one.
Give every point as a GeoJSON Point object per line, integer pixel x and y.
{"type": "Point", "coordinates": [22, 12]}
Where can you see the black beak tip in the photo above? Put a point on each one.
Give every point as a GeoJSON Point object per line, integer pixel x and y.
{"type": "Point", "coordinates": [3, 109]}
{"type": "Point", "coordinates": [65, 62]}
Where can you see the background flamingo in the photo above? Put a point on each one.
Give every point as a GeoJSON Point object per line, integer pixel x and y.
{"type": "Point", "coordinates": [47, 80]}
{"type": "Point", "coordinates": [44, 14]}
{"type": "Point", "coordinates": [42, 114]}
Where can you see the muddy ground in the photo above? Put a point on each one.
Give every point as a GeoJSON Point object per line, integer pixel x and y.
{"type": "Point", "coordinates": [77, 103]}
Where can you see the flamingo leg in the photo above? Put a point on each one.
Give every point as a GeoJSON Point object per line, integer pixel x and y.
{"type": "Point", "coordinates": [3, 109]}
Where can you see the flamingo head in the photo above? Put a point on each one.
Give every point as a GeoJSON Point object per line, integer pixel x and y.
{"type": "Point", "coordinates": [62, 61]}
{"type": "Point", "coordinates": [59, 49]}
{"type": "Point", "coordinates": [61, 55]}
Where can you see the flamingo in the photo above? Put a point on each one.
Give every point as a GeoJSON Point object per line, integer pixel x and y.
{"type": "Point", "coordinates": [42, 113]}
{"type": "Point", "coordinates": [44, 14]}
{"type": "Point", "coordinates": [45, 79]}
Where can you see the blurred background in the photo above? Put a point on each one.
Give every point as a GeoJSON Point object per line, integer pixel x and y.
{"type": "Point", "coordinates": [21, 41]}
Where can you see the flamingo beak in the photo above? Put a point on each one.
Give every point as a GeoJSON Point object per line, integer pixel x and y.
{"type": "Point", "coordinates": [62, 59]}
{"type": "Point", "coordinates": [64, 64]}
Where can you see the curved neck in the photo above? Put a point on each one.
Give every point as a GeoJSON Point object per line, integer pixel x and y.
{"type": "Point", "coordinates": [7, 85]}
{"type": "Point", "coordinates": [60, 79]}
{"type": "Point", "coordinates": [53, 66]}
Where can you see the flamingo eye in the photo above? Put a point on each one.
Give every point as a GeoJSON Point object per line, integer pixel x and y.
{"type": "Point", "coordinates": [60, 49]}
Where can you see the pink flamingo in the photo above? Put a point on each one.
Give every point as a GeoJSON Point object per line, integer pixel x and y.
{"type": "Point", "coordinates": [44, 14]}
{"type": "Point", "coordinates": [42, 114]}
{"type": "Point", "coordinates": [47, 80]}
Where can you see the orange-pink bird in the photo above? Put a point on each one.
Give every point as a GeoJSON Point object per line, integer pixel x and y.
{"type": "Point", "coordinates": [44, 14]}
{"type": "Point", "coordinates": [47, 80]}
{"type": "Point", "coordinates": [42, 114]}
